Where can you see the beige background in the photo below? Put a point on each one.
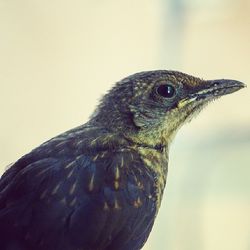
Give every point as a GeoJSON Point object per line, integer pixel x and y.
{"type": "Point", "coordinates": [58, 57]}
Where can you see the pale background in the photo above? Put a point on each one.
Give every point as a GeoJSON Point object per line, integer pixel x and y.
{"type": "Point", "coordinates": [58, 57]}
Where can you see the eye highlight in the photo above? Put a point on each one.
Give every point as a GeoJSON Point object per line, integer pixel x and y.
{"type": "Point", "coordinates": [166, 90]}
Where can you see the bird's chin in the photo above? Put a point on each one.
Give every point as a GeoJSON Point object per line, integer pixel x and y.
{"type": "Point", "coordinates": [182, 114]}
{"type": "Point", "coordinates": [190, 108]}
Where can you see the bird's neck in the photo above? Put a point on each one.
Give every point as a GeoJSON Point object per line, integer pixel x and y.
{"type": "Point", "coordinates": [158, 137]}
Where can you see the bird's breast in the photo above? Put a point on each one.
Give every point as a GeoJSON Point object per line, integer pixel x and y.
{"type": "Point", "coordinates": [157, 162]}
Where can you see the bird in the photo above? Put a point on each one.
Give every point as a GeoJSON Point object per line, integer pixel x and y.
{"type": "Point", "coordinates": [99, 186]}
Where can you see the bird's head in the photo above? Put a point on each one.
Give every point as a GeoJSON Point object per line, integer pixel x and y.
{"type": "Point", "coordinates": [149, 107]}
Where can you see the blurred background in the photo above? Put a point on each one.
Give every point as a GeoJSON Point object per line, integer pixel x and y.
{"type": "Point", "coordinates": [58, 57]}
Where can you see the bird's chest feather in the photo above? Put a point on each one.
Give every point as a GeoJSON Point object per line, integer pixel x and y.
{"type": "Point", "coordinates": [118, 199]}
{"type": "Point", "coordinates": [157, 162]}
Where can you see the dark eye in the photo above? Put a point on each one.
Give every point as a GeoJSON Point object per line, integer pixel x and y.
{"type": "Point", "coordinates": [166, 90]}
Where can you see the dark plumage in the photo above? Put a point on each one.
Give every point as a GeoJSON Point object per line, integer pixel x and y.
{"type": "Point", "coordinates": [99, 186]}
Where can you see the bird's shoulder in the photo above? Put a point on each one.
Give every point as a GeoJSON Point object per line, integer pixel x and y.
{"type": "Point", "coordinates": [82, 177]}
{"type": "Point", "coordinates": [101, 161]}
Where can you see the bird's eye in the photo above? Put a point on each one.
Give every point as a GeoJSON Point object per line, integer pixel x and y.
{"type": "Point", "coordinates": [166, 90]}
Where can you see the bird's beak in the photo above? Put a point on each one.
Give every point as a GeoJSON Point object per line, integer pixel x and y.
{"type": "Point", "coordinates": [209, 90]}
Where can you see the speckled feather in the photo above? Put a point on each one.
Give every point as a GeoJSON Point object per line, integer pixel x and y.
{"type": "Point", "coordinates": [99, 186]}
{"type": "Point", "coordinates": [94, 198]}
